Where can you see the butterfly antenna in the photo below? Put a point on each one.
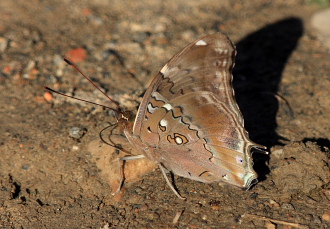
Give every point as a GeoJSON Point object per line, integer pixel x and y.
{"type": "Point", "coordinates": [75, 67]}
{"type": "Point", "coordinates": [86, 101]}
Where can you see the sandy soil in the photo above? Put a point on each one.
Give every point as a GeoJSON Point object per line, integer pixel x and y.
{"type": "Point", "coordinates": [51, 178]}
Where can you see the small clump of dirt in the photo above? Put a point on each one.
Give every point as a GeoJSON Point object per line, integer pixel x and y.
{"type": "Point", "coordinates": [299, 167]}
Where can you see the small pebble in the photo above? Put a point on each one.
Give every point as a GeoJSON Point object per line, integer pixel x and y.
{"type": "Point", "coordinates": [95, 20]}
{"type": "Point", "coordinates": [144, 207]}
{"type": "Point", "coordinates": [278, 153]}
{"type": "Point", "coordinates": [30, 72]}
{"type": "Point", "coordinates": [273, 203]}
{"type": "Point", "coordinates": [58, 61]}
{"type": "Point", "coordinates": [77, 132]}
{"type": "Point", "coordinates": [6, 70]}
{"type": "Point", "coordinates": [31, 65]}
{"type": "Point", "coordinates": [3, 44]}
{"type": "Point", "coordinates": [270, 225]}
{"type": "Point", "coordinates": [326, 216]}
{"type": "Point", "coordinates": [48, 96]}
{"type": "Point", "coordinates": [77, 55]}
{"type": "Point", "coordinates": [141, 36]}
{"type": "Point", "coordinates": [25, 167]}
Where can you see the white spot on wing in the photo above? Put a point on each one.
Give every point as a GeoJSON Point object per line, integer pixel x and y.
{"type": "Point", "coordinates": [150, 108]}
{"type": "Point", "coordinates": [158, 96]}
{"type": "Point", "coordinates": [164, 69]}
{"type": "Point", "coordinates": [163, 123]}
{"type": "Point", "coordinates": [178, 140]}
{"type": "Point", "coordinates": [201, 42]}
{"type": "Point", "coordinates": [168, 106]}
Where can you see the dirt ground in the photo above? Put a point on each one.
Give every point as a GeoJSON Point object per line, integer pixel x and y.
{"type": "Point", "coordinates": [52, 177]}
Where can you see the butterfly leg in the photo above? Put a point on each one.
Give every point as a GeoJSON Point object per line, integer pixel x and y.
{"type": "Point", "coordinates": [162, 168]}
{"type": "Point", "coordinates": [121, 169]}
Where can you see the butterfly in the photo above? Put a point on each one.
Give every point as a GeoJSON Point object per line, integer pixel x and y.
{"type": "Point", "coordinates": [189, 123]}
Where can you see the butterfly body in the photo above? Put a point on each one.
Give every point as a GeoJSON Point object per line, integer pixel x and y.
{"type": "Point", "coordinates": [189, 122]}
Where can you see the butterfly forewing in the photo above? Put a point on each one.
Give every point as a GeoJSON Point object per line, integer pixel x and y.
{"type": "Point", "coordinates": [189, 121]}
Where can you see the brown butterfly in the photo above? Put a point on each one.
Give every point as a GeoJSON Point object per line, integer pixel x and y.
{"type": "Point", "coordinates": [189, 122]}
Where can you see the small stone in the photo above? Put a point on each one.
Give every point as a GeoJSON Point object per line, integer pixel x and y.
{"type": "Point", "coordinates": [48, 96]}
{"type": "Point", "coordinates": [77, 55]}
{"type": "Point", "coordinates": [13, 44]}
{"type": "Point", "coordinates": [141, 36]}
{"type": "Point", "coordinates": [50, 79]}
{"type": "Point", "coordinates": [188, 35]}
{"type": "Point", "coordinates": [278, 153]}
{"type": "Point", "coordinates": [138, 190]}
{"type": "Point", "coordinates": [326, 216]}
{"type": "Point", "coordinates": [3, 44]}
{"type": "Point", "coordinates": [77, 132]}
{"type": "Point", "coordinates": [58, 61]}
{"type": "Point", "coordinates": [31, 65]}
{"type": "Point", "coordinates": [152, 216]}
{"type": "Point", "coordinates": [95, 20]}
{"type": "Point", "coordinates": [144, 207]}
{"type": "Point", "coordinates": [270, 225]}
{"type": "Point", "coordinates": [30, 71]}
{"type": "Point", "coordinates": [273, 203]}
{"type": "Point", "coordinates": [25, 167]}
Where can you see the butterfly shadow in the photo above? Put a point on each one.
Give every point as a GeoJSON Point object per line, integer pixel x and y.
{"type": "Point", "coordinates": [260, 61]}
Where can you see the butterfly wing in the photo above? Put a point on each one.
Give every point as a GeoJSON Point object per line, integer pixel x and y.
{"type": "Point", "coordinates": [189, 120]}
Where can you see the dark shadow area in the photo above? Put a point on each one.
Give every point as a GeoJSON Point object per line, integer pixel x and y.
{"type": "Point", "coordinates": [261, 58]}
{"type": "Point", "coordinates": [323, 143]}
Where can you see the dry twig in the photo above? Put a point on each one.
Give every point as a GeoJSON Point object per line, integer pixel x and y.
{"type": "Point", "coordinates": [296, 225]}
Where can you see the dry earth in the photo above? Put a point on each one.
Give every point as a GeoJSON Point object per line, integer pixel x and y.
{"type": "Point", "coordinates": [50, 180]}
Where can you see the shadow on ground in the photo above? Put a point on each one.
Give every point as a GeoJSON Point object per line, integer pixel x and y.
{"type": "Point", "coordinates": [261, 59]}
